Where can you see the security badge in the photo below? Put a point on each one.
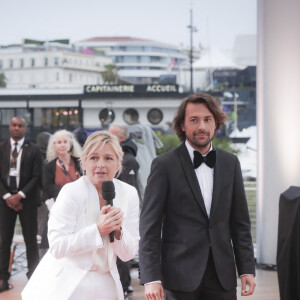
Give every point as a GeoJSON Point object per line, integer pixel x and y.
{"type": "Point", "coordinates": [13, 172]}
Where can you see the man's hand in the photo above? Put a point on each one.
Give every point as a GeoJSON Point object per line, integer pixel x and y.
{"type": "Point", "coordinates": [154, 291]}
{"type": "Point", "coordinates": [14, 202]}
{"type": "Point", "coordinates": [250, 281]}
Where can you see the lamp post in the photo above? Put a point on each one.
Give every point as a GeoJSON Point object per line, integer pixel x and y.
{"type": "Point", "coordinates": [192, 30]}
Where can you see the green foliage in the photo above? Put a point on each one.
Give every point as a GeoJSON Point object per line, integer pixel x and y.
{"type": "Point", "coordinates": [171, 141]}
{"type": "Point", "coordinates": [2, 80]}
{"type": "Point", "coordinates": [110, 74]}
{"type": "Point", "coordinates": [224, 143]}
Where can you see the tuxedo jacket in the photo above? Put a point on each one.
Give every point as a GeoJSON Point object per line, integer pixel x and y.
{"type": "Point", "coordinates": [73, 241]}
{"type": "Point", "coordinates": [30, 171]}
{"type": "Point", "coordinates": [176, 232]}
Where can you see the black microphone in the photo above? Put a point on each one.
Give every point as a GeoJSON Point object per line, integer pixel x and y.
{"type": "Point", "coordinates": [108, 194]}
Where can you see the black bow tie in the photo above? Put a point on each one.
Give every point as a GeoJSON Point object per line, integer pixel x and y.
{"type": "Point", "coordinates": [209, 159]}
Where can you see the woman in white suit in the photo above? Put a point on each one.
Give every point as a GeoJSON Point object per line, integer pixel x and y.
{"type": "Point", "coordinates": [81, 261]}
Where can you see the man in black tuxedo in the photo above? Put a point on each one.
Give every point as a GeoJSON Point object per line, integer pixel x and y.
{"type": "Point", "coordinates": [20, 174]}
{"type": "Point", "coordinates": [195, 224]}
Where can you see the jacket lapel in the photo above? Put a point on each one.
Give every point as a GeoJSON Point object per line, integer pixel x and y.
{"type": "Point", "coordinates": [217, 181]}
{"type": "Point", "coordinates": [25, 149]}
{"type": "Point", "coordinates": [6, 160]}
{"type": "Point", "coordinates": [191, 176]}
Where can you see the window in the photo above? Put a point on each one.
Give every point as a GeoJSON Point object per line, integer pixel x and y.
{"type": "Point", "coordinates": [155, 59]}
{"type": "Point", "coordinates": [70, 77]}
{"type": "Point", "coordinates": [50, 119]}
{"type": "Point", "coordinates": [145, 59]}
{"type": "Point", "coordinates": [130, 59]}
{"type": "Point", "coordinates": [119, 59]}
{"type": "Point", "coordinates": [155, 116]}
{"type": "Point", "coordinates": [1, 64]}
{"type": "Point", "coordinates": [46, 61]}
{"type": "Point", "coordinates": [130, 116]}
{"type": "Point", "coordinates": [32, 62]}
{"type": "Point", "coordinates": [11, 63]}
{"type": "Point", "coordinates": [21, 63]}
{"type": "Point", "coordinates": [56, 61]}
{"type": "Point", "coordinates": [106, 116]}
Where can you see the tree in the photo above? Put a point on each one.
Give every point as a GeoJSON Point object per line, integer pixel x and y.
{"type": "Point", "coordinates": [2, 80]}
{"type": "Point", "coordinates": [110, 75]}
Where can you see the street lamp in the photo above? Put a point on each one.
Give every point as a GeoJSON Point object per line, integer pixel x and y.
{"type": "Point", "coordinates": [192, 30]}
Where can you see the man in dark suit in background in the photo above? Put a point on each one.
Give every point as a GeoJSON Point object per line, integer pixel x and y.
{"type": "Point", "coordinates": [195, 225]}
{"type": "Point", "coordinates": [129, 174]}
{"type": "Point", "coordinates": [20, 174]}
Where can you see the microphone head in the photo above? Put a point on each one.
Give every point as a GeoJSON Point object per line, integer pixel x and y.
{"type": "Point", "coordinates": [108, 190]}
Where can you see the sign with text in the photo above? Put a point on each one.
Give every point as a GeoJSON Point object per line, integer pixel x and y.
{"type": "Point", "coordinates": [131, 89]}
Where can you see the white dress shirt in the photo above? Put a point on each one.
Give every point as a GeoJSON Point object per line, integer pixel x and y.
{"type": "Point", "coordinates": [205, 176]}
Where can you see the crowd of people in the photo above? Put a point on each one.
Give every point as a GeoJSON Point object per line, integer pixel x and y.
{"type": "Point", "coordinates": [106, 197]}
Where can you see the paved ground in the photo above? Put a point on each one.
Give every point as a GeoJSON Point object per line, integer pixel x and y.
{"type": "Point", "coordinates": [267, 287]}
{"type": "Point", "coordinates": [267, 283]}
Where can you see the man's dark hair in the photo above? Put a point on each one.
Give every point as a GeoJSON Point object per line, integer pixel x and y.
{"type": "Point", "coordinates": [209, 101]}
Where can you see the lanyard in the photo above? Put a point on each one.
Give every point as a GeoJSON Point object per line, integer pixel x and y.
{"type": "Point", "coordinates": [64, 169]}
{"type": "Point", "coordinates": [14, 159]}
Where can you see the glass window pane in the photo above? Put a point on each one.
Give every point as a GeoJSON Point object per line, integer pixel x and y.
{"type": "Point", "coordinates": [131, 116]}
{"type": "Point", "coordinates": [155, 116]}
{"type": "Point", "coordinates": [106, 116]}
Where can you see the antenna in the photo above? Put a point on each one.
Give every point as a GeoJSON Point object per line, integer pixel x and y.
{"type": "Point", "coordinates": [192, 30]}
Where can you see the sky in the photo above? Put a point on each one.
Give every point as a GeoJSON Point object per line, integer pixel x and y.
{"type": "Point", "coordinates": [218, 22]}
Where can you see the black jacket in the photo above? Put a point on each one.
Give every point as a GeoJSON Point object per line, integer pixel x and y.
{"type": "Point", "coordinates": [30, 171]}
{"type": "Point", "coordinates": [130, 166]}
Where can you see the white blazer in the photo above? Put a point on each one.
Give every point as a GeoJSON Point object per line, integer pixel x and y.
{"type": "Point", "coordinates": [72, 241]}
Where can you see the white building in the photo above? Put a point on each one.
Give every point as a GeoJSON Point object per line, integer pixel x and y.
{"type": "Point", "coordinates": [139, 61]}
{"type": "Point", "coordinates": [50, 66]}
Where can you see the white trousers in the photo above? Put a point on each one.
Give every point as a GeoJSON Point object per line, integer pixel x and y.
{"type": "Point", "coordinates": [95, 286]}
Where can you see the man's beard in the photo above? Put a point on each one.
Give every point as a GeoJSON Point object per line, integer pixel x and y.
{"type": "Point", "coordinates": [194, 142]}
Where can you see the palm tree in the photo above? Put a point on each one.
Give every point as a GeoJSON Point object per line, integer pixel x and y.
{"type": "Point", "coordinates": [110, 75]}
{"type": "Point", "coordinates": [2, 80]}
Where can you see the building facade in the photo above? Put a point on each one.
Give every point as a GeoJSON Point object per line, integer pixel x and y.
{"type": "Point", "coordinates": [94, 107]}
{"type": "Point", "coordinates": [140, 61]}
{"type": "Point", "coordinates": [51, 65]}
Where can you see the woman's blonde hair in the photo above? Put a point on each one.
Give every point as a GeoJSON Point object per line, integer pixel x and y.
{"type": "Point", "coordinates": [97, 140]}
{"type": "Point", "coordinates": [75, 149]}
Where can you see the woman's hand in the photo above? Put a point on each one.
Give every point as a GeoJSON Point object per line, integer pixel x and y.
{"type": "Point", "coordinates": [110, 219]}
